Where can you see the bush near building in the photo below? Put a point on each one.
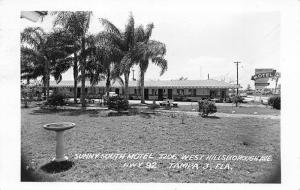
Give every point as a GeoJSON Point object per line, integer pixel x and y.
{"type": "Point", "coordinates": [206, 107]}
{"type": "Point", "coordinates": [56, 99]}
{"type": "Point", "coordinates": [117, 103]}
{"type": "Point", "coordinates": [275, 102]}
{"type": "Point", "coordinates": [237, 99]}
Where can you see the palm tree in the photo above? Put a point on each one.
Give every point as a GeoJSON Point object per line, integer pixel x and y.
{"type": "Point", "coordinates": [107, 56]}
{"type": "Point", "coordinates": [76, 23]}
{"type": "Point", "coordinates": [126, 42]}
{"type": "Point", "coordinates": [151, 51]}
{"type": "Point", "coordinates": [43, 55]}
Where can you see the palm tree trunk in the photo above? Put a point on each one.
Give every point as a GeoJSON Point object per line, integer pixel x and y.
{"type": "Point", "coordinates": [126, 90]}
{"type": "Point", "coordinates": [48, 86]}
{"type": "Point", "coordinates": [47, 79]}
{"type": "Point", "coordinates": [44, 86]}
{"type": "Point", "coordinates": [142, 87]}
{"type": "Point", "coordinates": [75, 76]}
{"type": "Point", "coordinates": [83, 64]}
{"type": "Point", "coordinates": [107, 83]}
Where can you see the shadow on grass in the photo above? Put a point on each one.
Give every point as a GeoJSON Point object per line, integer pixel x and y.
{"type": "Point", "coordinates": [91, 113]}
{"type": "Point", "coordinates": [145, 113]}
{"type": "Point", "coordinates": [45, 111]}
{"type": "Point", "coordinates": [212, 117]}
{"type": "Point", "coordinates": [56, 167]}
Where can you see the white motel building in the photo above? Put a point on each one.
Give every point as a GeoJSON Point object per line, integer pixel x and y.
{"type": "Point", "coordinates": [178, 90]}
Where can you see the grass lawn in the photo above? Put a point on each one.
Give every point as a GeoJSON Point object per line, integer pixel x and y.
{"type": "Point", "coordinates": [160, 133]}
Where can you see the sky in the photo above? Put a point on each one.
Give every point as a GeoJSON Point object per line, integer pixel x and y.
{"type": "Point", "coordinates": [199, 41]}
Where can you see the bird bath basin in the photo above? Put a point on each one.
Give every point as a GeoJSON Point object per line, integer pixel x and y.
{"type": "Point", "coordinates": [59, 128]}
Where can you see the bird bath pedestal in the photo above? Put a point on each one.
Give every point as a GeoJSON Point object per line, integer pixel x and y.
{"type": "Point", "coordinates": [59, 128]}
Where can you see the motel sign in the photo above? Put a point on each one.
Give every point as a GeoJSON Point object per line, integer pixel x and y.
{"type": "Point", "coordinates": [262, 77]}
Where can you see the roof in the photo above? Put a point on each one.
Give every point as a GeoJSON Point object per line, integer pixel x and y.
{"type": "Point", "coordinates": [211, 83]}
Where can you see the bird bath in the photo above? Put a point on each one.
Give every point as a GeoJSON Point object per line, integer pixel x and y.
{"type": "Point", "coordinates": [59, 128]}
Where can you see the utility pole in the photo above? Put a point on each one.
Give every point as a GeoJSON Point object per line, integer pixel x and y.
{"type": "Point", "coordinates": [133, 75]}
{"type": "Point", "coordinates": [237, 81]}
{"type": "Point", "coordinates": [237, 77]}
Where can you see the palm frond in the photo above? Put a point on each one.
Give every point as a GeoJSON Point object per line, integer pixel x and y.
{"type": "Point", "coordinates": [162, 63]}
{"type": "Point", "coordinates": [110, 27]}
{"type": "Point", "coordinates": [33, 36]}
{"type": "Point", "coordinates": [129, 32]}
{"type": "Point", "coordinates": [148, 31]}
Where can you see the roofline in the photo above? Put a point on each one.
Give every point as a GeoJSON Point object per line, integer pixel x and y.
{"type": "Point", "coordinates": [136, 85]}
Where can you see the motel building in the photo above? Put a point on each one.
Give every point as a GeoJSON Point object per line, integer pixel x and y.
{"type": "Point", "coordinates": [178, 90]}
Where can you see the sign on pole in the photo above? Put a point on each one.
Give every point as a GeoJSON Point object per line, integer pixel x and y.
{"type": "Point", "coordinates": [261, 78]}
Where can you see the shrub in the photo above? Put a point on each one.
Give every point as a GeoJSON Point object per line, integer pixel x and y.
{"type": "Point", "coordinates": [153, 106]}
{"type": "Point", "coordinates": [117, 103]}
{"type": "Point", "coordinates": [66, 93]}
{"type": "Point", "coordinates": [206, 107]}
{"type": "Point", "coordinates": [56, 99]}
{"type": "Point", "coordinates": [275, 102]}
{"type": "Point", "coordinates": [237, 99]}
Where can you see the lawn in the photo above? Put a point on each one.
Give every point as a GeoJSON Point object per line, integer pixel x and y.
{"type": "Point", "coordinates": [95, 132]}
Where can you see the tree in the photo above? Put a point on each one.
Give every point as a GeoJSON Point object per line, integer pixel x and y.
{"type": "Point", "coordinates": [127, 44]}
{"type": "Point", "coordinates": [248, 87]}
{"type": "Point", "coordinates": [150, 51]}
{"type": "Point", "coordinates": [77, 24]}
{"type": "Point", "coordinates": [107, 56]}
{"type": "Point", "coordinates": [43, 54]}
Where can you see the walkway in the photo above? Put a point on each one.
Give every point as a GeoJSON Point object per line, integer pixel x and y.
{"type": "Point", "coordinates": [223, 114]}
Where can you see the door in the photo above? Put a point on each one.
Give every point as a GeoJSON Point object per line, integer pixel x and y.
{"type": "Point", "coordinates": [117, 91]}
{"type": "Point", "coordinates": [160, 94]}
{"type": "Point", "coordinates": [223, 95]}
{"type": "Point", "coordinates": [78, 92]}
{"type": "Point", "coordinates": [170, 94]}
{"type": "Point", "coordinates": [212, 94]}
{"type": "Point", "coordinates": [146, 93]}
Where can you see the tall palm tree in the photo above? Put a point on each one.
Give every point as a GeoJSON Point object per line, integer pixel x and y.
{"type": "Point", "coordinates": [43, 55]}
{"type": "Point", "coordinates": [126, 42]}
{"type": "Point", "coordinates": [34, 60]}
{"type": "Point", "coordinates": [77, 23]}
{"type": "Point", "coordinates": [150, 51]}
{"type": "Point", "coordinates": [107, 56]}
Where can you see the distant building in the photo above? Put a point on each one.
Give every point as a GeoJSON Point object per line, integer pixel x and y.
{"type": "Point", "coordinates": [185, 90]}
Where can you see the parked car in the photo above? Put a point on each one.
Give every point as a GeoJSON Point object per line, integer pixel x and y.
{"type": "Point", "coordinates": [243, 94]}
{"type": "Point", "coordinates": [110, 94]}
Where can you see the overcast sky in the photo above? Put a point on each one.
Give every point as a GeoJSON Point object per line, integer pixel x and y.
{"type": "Point", "coordinates": [199, 41]}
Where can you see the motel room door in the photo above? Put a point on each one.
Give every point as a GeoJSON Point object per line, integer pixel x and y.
{"type": "Point", "coordinates": [78, 92]}
{"type": "Point", "coordinates": [212, 94]}
{"type": "Point", "coordinates": [170, 94]}
{"type": "Point", "coordinates": [160, 94]}
{"type": "Point", "coordinates": [223, 94]}
{"type": "Point", "coordinates": [146, 93]}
